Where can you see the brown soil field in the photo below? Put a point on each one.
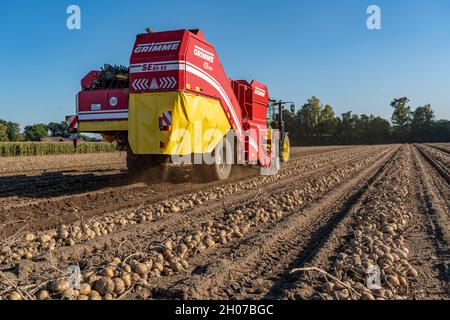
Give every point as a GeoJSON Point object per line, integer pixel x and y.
{"type": "Point", "coordinates": [310, 232]}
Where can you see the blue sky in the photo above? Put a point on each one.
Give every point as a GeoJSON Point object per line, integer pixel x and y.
{"type": "Point", "coordinates": [299, 48]}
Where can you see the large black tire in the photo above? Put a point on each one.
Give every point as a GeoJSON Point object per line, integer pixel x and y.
{"type": "Point", "coordinates": [221, 169]}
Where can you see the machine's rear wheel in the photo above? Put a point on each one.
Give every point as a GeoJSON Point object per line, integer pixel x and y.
{"type": "Point", "coordinates": [286, 155]}
{"type": "Point", "coordinates": [221, 169]}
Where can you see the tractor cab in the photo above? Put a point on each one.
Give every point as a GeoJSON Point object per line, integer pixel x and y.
{"type": "Point", "coordinates": [275, 121]}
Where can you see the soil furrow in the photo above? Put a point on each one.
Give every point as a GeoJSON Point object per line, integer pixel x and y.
{"type": "Point", "coordinates": [48, 214]}
{"type": "Point", "coordinates": [249, 191]}
{"type": "Point", "coordinates": [439, 165]}
{"type": "Point", "coordinates": [106, 249]}
{"type": "Point", "coordinates": [259, 257]}
{"type": "Point", "coordinates": [431, 207]}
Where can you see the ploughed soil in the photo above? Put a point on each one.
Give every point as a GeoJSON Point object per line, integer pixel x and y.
{"type": "Point", "coordinates": [313, 231]}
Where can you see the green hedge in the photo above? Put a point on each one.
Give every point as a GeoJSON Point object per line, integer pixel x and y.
{"type": "Point", "coordinates": [13, 149]}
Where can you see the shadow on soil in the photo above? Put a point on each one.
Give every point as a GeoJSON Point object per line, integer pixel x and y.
{"type": "Point", "coordinates": [56, 184]}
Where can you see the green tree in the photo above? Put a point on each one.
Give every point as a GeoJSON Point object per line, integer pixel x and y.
{"type": "Point", "coordinates": [441, 131]}
{"type": "Point", "coordinates": [345, 130]}
{"type": "Point", "coordinates": [3, 133]}
{"type": "Point", "coordinates": [328, 123]}
{"type": "Point", "coordinates": [13, 130]}
{"type": "Point", "coordinates": [58, 129]}
{"type": "Point", "coordinates": [422, 124]}
{"type": "Point", "coordinates": [401, 119]}
{"type": "Point", "coordinates": [379, 131]}
{"type": "Point", "coordinates": [316, 125]}
{"type": "Point", "coordinates": [308, 118]}
{"type": "Point", "coordinates": [35, 132]}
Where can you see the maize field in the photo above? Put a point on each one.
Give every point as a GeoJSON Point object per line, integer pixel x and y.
{"type": "Point", "coordinates": [14, 149]}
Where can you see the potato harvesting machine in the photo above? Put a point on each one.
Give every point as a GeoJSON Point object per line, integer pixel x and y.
{"type": "Point", "coordinates": [175, 102]}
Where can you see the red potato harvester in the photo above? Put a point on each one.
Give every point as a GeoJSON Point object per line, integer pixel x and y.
{"type": "Point", "coordinates": [175, 100]}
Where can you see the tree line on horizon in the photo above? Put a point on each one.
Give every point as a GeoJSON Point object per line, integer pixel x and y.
{"type": "Point", "coordinates": [316, 124]}
{"type": "Point", "coordinates": [10, 131]}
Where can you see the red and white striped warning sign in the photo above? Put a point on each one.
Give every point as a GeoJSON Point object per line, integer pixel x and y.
{"type": "Point", "coordinates": [165, 122]}
{"type": "Point", "coordinates": [72, 123]}
{"type": "Point", "coordinates": [167, 119]}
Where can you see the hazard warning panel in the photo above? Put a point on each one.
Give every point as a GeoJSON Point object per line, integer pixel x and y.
{"type": "Point", "coordinates": [165, 122]}
{"type": "Point", "coordinates": [142, 84]}
{"type": "Point", "coordinates": [72, 123]}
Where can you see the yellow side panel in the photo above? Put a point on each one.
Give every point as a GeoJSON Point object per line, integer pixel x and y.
{"type": "Point", "coordinates": [198, 123]}
{"type": "Point", "coordinates": [100, 126]}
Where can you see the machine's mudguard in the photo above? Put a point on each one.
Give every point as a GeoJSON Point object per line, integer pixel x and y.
{"type": "Point", "coordinates": [196, 123]}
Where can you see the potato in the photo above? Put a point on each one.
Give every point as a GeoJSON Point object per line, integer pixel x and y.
{"type": "Point", "coordinates": [148, 263]}
{"type": "Point", "coordinates": [87, 275]}
{"type": "Point", "coordinates": [108, 296]}
{"type": "Point", "coordinates": [167, 271]}
{"type": "Point", "coordinates": [85, 289]}
{"type": "Point", "coordinates": [69, 294]}
{"type": "Point", "coordinates": [126, 280]}
{"type": "Point", "coordinates": [135, 277]}
{"type": "Point", "coordinates": [94, 295]}
{"type": "Point", "coordinates": [108, 272]}
{"type": "Point", "coordinates": [403, 281]}
{"type": "Point", "coordinates": [406, 251]}
{"type": "Point", "coordinates": [140, 268]}
{"type": "Point", "coordinates": [176, 266]}
{"type": "Point", "coordinates": [209, 242]}
{"type": "Point", "coordinates": [126, 268]}
{"type": "Point", "coordinates": [92, 279]}
{"type": "Point", "coordinates": [63, 234]}
{"type": "Point", "coordinates": [328, 287]}
{"type": "Point", "coordinates": [168, 244]}
{"type": "Point", "coordinates": [119, 285]}
{"type": "Point", "coordinates": [14, 296]}
{"type": "Point", "coordinates": [343, 294]}
{"type": "Point", "coordinates": [45, 238]}
{"type": "Point", "coordinates": [389, 229]}
{"type": "Point", "coordinates": [60, 286]}
{"type": "Point", "coordinates": [367, 296]}
{"type": "Point", "coordinates": [175, 209]}
{"type": "Point", "coordinates": [29, 237]}
{"type": "Point", "coordinates": [6, 250]}
{"type": "Point", "coordinates": [28, 255]}
{"type": "Point", "coordinates": [412, 272]}
{"type": "Point", "coordinates": [43, 295]}
{"type": "Point", "coordinates": [389, 257]}
{"type": "Point", "coordinates": [104, 286]}
{"type": "Point", "coordinates": [158, 266]}
{"type": "Point", "coordinates": [184, 264]}
{"type": "Point", "coordinates": [393, 280]}
{"type": "Point", "coordinates": [181, 250]}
